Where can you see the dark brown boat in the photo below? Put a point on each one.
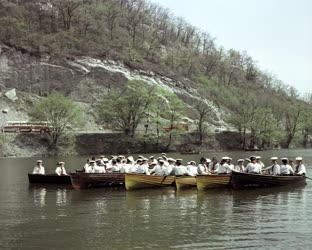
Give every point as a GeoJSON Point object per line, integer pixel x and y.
{"type": "Point", "coordinates": [49, 179]}
{"type": "Point", "coordinates": [245, 180]}
{"type": "Point", "coordinates": [81, 180]}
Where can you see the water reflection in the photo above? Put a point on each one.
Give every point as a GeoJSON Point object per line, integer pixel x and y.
{"type": "Point", "coordinates": [61, 197]}
{"type": "Point", "coordinates": [39, 196]}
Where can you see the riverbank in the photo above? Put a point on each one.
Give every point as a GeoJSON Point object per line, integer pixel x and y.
{"type": "Point", "coordinates": [31, 145]}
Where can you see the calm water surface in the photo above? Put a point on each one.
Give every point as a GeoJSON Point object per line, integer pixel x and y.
{"type": "Point", "coordinates": [38, 217]}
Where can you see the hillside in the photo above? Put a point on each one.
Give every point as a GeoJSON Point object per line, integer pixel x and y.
{"type": "Point", "coordinates": [85, 49]}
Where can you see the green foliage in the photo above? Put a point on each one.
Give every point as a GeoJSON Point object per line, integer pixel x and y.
{"type": "Point", "coordinates": [60, 112]}
{"type": "Point", "coordinates": [126, 109]}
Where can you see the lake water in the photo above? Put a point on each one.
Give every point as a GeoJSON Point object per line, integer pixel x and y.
{"type": "Point", "coordinates": [38, 217]}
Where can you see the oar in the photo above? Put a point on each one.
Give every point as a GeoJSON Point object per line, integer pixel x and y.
{"type": "Point", "coordinates": [163, 179]}
{"type": "Point", "coordinates": [308, 178]}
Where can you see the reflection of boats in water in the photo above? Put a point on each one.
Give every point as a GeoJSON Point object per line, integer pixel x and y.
{"type": "Point", "coordinates": [49, 179]}
{"type": "Point", "coordinates": [139, 181]}
{"type": "Point", "coordinates": [81, 180]}
{"type": "Point", "coordinates": [245, 180]}
{"type": "Point", "coordinates": [212, 181]}
{"type": "Point", "coordinates": [183, 182]}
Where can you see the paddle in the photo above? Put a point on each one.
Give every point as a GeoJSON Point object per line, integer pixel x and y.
{"type": "Point", "coordinates": [308, 178]}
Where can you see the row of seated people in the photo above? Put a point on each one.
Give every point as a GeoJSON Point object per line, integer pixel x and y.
{"type": "Point", "coordinates": [168, 166]}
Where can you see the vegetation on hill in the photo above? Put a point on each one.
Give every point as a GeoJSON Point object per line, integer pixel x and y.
{"type": "Point", "coordinates": [145, 35]}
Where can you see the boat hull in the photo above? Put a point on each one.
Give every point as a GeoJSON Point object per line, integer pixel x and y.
{"type": "Point", "coordinates": [212, 181]}
{"type": "Point", "coordinates": [141, 181]}
{"type": "Point", "coordinates": [245, 180]}
{"type": "Point", "coordinates": [49, 179]}
{"type": "Point", "coordinates": [81, 180]}
{"type": "Point", "coordinates": [184, 182]}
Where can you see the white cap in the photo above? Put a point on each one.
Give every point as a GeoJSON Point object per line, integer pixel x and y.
{"type": "Point", "coordinates": [161, 160]}
{"type": "Point", "coordinates": [284, 159]}
{"type": "Point", "coordinates": [105, 159]}
{"type": "Point", "coordinates": [208, 160]}
{"type": "Point", "coordinates": [258, 157]}
{"type": "Point", "coordinates": [130, 158]}
{"type": "Point", "coordinates": [171, 159]}
{"type": "Point", "coordinates": [39, 161]}
{"type": "Point", "coordinates": [299, 158]}
{"type": "Point", "coordinates": [240, 160]}
{"type": "Point", "coordinates": [247, 159]}
{"type": "Point", "coordinates": [225, 158]}
{"type": "Point", "coordinates": [274, 158]}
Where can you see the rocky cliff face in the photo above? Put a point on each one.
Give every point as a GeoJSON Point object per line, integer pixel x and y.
{"type": "Point", "coordinates": [85, 78]}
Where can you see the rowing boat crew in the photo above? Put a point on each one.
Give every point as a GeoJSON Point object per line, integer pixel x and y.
{"type": "Point", "coordinates": [163, 166]}
{"type": "Point", "coordinates": [39, 168]}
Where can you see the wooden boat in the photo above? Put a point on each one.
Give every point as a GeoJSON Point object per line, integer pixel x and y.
{"type": "Point", "coordinates": [140, 181]}
{"type": "Point", "coordinates": [82, 180]}
{"type": "Point", "coordinates": [245, 180]}
{"type": "Point", "coordinates": [212, 181]}
{"type": "Point", "coordinates": [49, 179]}
{"type": "Point", "coordinates": [183, 182]}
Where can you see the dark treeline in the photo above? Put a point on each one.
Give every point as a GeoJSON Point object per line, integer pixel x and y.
{"type": "Point", "coordinates": [143, 34]}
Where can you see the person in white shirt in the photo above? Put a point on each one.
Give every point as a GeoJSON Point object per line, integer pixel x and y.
{"type": "Point", "coordinates": [169, 168]}
{"type": "Point", "coordinates": [285, 168]}
{"type": "Point", "coordinates": [115, 167]}
{"type": "Point", "coordinates": [240, 166]}
{"type": "Point", "coordinates": [192, 168]}
{"type": "Point", "coordinates": [258, 160]}
{"type": "Point", "coordinates": [224, 168]}
{"type": "Point", "coordinates": [253, 167]}
{"type": "Point", "coordinates": [300, 169]}
{"type": "Point", "coordinates": [158, 168]}
{"type": "Point", "coordinates": [86, 166]}
{"type": "Point", "coordinates": [230, 164]}
{"type": "Point", "coordinates": [179, 169]}
{"type": "Point", "coordinates": [274, 169]}
{"type": "Point", "coordinates": [213, 166]}
{"type": "Point", "coordinates": [202, 168]}
{"type": "Point", "coordinates": [60, 170]}
{"type": "Point", "coordinates": [127, 166]}
{"type": "Point", "coordinates": [143, 167]}
{"type": "Point", "coordinates": [39, 169]}
{"type": "Point", "coordinates": [92, 167]}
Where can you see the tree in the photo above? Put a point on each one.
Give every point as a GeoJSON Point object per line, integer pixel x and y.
{"type": "Point", "coordinates": [293, 117]}
{"type": "Point", "coordinates": [60, 112]}
{"type": "Point", "coordinates": [203, 110]}
{"type": "Point", "coordinates": [173, 113]}
{"type": "Point", "coordinates": [125, 109]}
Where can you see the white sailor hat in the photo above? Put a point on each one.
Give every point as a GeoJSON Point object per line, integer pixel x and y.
{"type": "Point", "coordinates": [165, 158]}
{"type": "Point", "coordinates": [274, 158]}
{"type": "Point", "coordinates": [102, 156]}
{"type": "Point", "coordinates": [258, 157]}
{"type": "Point", "coordinates": [179, 159]}
{"type": "Point", "coordinates": [299, 158]}
{"type": "Point", "coordinates": [284, 159]}
{"type": "Point", "coordinates": [224, 158]}
{"type": "Point", "coordinates": [230, 159]}
{"type": "Point", "coordinates": [120, 156]}
{"type": "Point", "coordinates": [163, 154]}
{"type": "Point", "coordinates": [192, 162]}
{"type": "Point", "coordinates": [61, 163]}
{"type": "Point", "coordinates": [151, 157]}
{"type": "Point", "coordinates": [247, 159]}
{"type": "Point", "coordinates": [208, 160]}
{"type": "Point", "coordinates": [140, 157]}
{"type": "Point", "coordinates": [144, 159]}
{"type": "Point", "coordinates": [130, 158]}
{"type": "Point", "coordinates": [139, 160]}
{"type": "Point", "coordinates": [92, 161]}
{"type": "Point", "coordinates": [240, 160]}
{"type": "Point", "coordinates": [105, 160]}
{"type": "Point", "coordinates": [171, 159]}
{"type": "Point", "coordinates": [39, 161]}
{"type": "Point", "coordinates": [161, 160]}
